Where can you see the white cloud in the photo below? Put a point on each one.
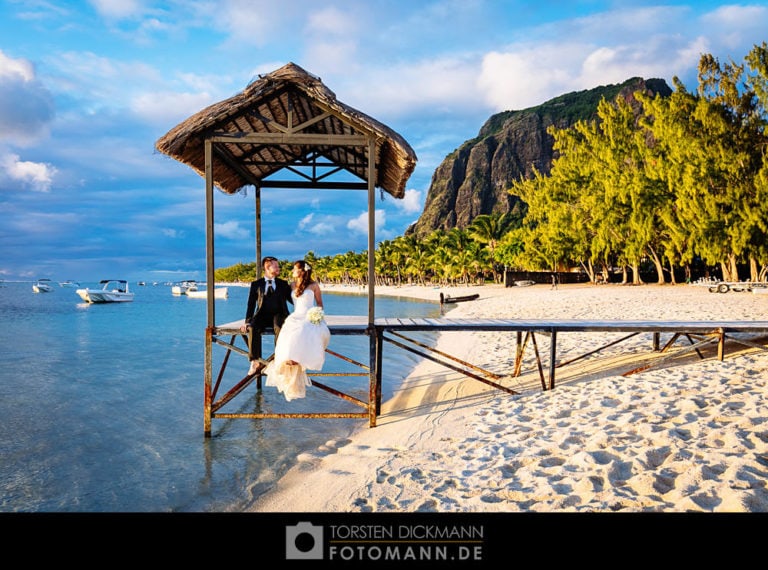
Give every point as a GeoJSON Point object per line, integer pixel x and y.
{"type": "Point", "coordinates": [246, 22]}
{"type": "Point", "coordinates": [306, 220]}
{"type": "Point", "coordinates": [331, 20]}
{"type": "Point", "coordinates": [335, 56]}
{"type": "Point", "coordinates": [35, 175]}
{"type": "Point", "coordinates": [16, 69]}
{"type": "Point", "coordinates": [610, 47]}
{"type": "Point", "coordinates": [117, 9]}
{"type": "Point", "coordinates": [411, 202]}
{"type": "Point", "coordinates": [736, 16]}
{"type": "Point", "coordinates": [360, 223]}
{"type": "Point", "coordinates": [736, 23]}
{"type": "Point", "coordinates": [97, 78]}
{"type": "Point", "coordinates": [26, 106]}
{"type": "Point", "coordinates": [231, 230]}
{"type": "Point", "coordinates": [322, 229]}
{"type": "Point", "coordinates": [436, 84]}
{"type": "Point", "coordinates": [523, 76]}
{"type": "Point", "coordinates": [167, 106]}
{"type": "Point", "coordinates": [332, 37]}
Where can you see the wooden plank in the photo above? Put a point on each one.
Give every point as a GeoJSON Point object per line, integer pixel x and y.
{"type": "Point", "coordinates": [356, 323]}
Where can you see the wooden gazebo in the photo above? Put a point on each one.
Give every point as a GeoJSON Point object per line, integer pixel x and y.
{"type": "Point", "coordinates": [287, 130]}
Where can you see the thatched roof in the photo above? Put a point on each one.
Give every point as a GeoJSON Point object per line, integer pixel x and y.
{"type": "Point", "coordinates": [277, 103]}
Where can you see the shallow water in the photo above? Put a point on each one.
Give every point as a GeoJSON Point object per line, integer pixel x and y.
{"type": "Point", "coordinates": [102, 405]}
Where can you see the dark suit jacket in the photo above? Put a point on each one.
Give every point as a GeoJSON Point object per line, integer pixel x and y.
{"type": "Point", "coordinates": [259, 316]}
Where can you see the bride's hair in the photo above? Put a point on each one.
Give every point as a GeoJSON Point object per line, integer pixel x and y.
{"type": "Point", "coordinates": [304, 278]}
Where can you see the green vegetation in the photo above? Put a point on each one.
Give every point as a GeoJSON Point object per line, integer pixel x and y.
{"type": "Point", "coordinates": [663, 183]}
{"type": "Point", "coordinates": [455, 257]}
{"type": "Point", "coordinates": [681, 179]}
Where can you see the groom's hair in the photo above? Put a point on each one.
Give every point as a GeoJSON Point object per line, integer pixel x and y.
{"type": "Point", "coordinates": [267, 259]}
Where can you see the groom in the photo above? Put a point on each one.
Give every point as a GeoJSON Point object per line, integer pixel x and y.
{"type": "Point", "coordinates": [267, 307]}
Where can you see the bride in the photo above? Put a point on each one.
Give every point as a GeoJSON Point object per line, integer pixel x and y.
{"type": "Point", "coordinates": [303, 337]}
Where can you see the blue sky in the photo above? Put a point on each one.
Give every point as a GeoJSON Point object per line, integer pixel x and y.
{"type": "Point", "coordinates": [87, 87]}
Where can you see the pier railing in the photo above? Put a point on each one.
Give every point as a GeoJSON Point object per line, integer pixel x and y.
{"type": "Point", "coordinates": [395, 332]}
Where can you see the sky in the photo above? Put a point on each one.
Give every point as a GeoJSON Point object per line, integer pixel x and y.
{"type": "Point", "coordinates": [88, 87]}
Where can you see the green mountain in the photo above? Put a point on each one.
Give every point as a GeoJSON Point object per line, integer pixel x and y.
{"type": "Point", "coordinates": [474, 179]}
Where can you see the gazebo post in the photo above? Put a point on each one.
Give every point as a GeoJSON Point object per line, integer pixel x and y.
{"type": "Point", "coordinates": [255, 336]}
{"type": "Point", "coordinates": [373, 345]}
{"type": "Point", "coordinates": [209, 278]}
{"type": "Point", "coordinates": [257, 200]}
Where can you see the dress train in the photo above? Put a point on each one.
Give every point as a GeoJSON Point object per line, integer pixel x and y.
{"type": "Point", "coordinates": [302, 342]}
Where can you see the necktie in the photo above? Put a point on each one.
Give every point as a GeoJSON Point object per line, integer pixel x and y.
{"type": "Point", "coordinates": [270, 286]}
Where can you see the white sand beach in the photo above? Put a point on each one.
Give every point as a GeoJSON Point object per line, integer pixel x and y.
{"type": "Point", "coordinates": [688, 434]}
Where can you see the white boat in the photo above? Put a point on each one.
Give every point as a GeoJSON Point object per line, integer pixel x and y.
{"type": "Point", "coordinates": [112, 291]}
{"type": "Point", "coordinates": [218, 293]}
{"type": "Point", "coordinates": [42, 286]}
{"type": "Point", "coordinates": [183, 287]}
{"type": "Point", "coordinates": [68, 283]}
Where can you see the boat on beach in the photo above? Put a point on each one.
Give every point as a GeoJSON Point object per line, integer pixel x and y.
{"type": "Point", "coordinates": [112, 291]}
{"type": "Point", "coordinates": [42, 286]}
{"type": "Point", "coordinates": [448, 299]}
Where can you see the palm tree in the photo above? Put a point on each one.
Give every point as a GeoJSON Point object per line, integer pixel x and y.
{"type": "Point", "coordinates": [384, 260]}
{"type": "Point", "coordinates": [406, 247]}
{"type": "Point", "coordinates": [441, 260]}
{"type": "Point", "coordinates": [488, 229]}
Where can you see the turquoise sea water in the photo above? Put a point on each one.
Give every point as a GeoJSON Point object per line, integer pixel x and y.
{"type": "Point", "coordinates": [102, 405]}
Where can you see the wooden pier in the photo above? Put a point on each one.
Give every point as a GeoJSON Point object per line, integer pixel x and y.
{"type": "Point", "coordinates": [394, 331]}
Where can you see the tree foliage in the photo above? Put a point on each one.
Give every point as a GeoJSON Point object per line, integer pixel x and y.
{"type": "Point", "coordinates": [680, 178]}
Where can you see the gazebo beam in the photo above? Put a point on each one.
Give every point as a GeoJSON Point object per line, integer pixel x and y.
{"type": "Point", "coordinates": [291, 138]}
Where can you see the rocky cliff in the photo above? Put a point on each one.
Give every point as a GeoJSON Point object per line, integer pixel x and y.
{"type": "Point", "coordinates": [474, 179]}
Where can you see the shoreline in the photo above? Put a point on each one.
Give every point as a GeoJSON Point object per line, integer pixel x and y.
{"type": "Point", "coordinates": [688, 436]}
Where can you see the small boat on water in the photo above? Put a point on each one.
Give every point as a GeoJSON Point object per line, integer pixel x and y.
{"type": "Point", "coordinates": [112, 291]}
{"type": "Point", "coordinates": [69, 283]}
{"type": "Point", "coordinates": [183, 287]}
{"type": "Point", "coordinates": [42, 286]}
{"type": "Point", "coordinates": [218, 293]}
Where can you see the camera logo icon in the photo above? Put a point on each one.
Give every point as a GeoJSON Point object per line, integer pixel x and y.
{"type": "Point", "coordinates": [304, 541]}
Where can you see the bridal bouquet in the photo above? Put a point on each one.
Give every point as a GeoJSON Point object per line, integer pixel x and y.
{"type": "Point", "coordinates": [315, 315]}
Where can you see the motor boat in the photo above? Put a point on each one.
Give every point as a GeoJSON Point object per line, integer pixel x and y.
{"type": "Point", "coordinates": [218, 293]}
{"type": "Point", "coordinates": [69, 283]}
{"type": "Point", "coordinates": [112, 291]}
{"type": "Point", "coordinates": [183, 287]}
{"type": "Point", "coordinates": [42, 286]}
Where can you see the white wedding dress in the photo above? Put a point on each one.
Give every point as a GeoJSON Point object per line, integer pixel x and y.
{"type": "Point", "coordinates": [301, 341]}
